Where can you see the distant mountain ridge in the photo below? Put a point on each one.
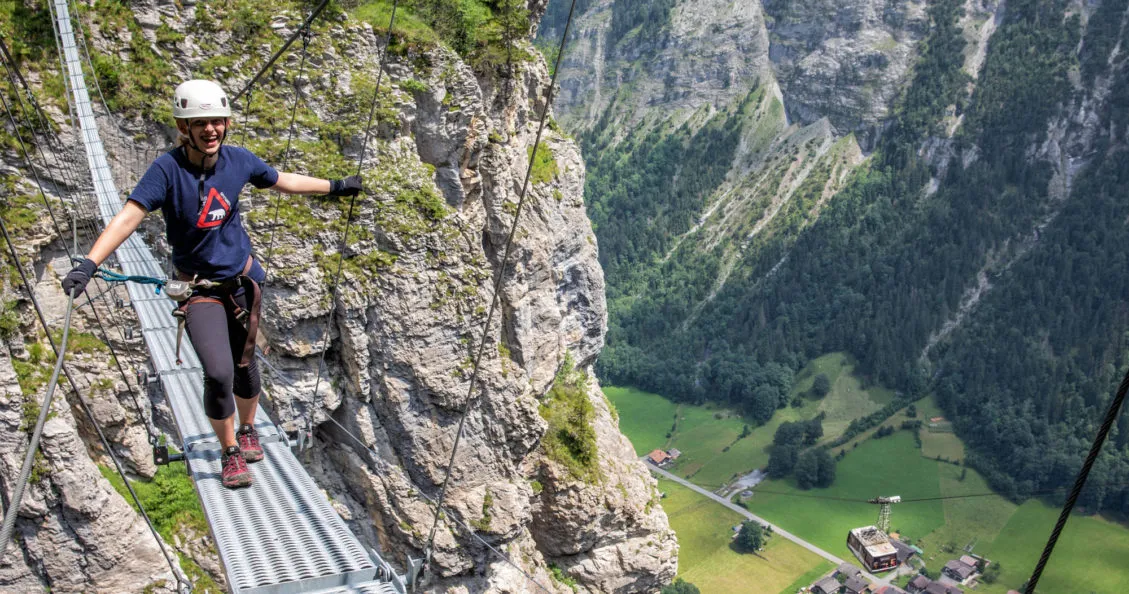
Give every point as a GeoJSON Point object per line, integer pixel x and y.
{"type": "Point", "coordinates": [930, 186]}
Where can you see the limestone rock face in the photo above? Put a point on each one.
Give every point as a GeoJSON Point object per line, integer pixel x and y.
{"type": "Point", "coordinates": [712, 53]}
{"type": "Point", "coordinates": [383, 366]}
{"type": "Point", "coordinates": [75, 533]}
{"type": "Point", "coordinates": [404, 342]}
{"type": "Point", "coordinates": [844, 60]}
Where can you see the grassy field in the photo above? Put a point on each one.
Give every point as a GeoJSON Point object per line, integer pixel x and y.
{"type": "Point", "coordinates": [706, 560]}
{"type": "Point", "coordinates": [1090, 555]}
{"type": "Point", "coordinates": [644, 418]}
{"type": "Point", "coordinates": [889, 466]}
{"type": "Point", "coordinates": [709, 437]}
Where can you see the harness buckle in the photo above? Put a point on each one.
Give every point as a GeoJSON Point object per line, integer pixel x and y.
{"type": "Point", "coordinates": [178, 290]}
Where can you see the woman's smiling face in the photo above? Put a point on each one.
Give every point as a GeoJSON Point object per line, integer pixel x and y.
{"type": "Point", "coordinates": [206, 134]}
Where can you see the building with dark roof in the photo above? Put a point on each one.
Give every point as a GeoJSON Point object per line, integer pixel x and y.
{"type": "Point", "coordinates": [847, 570]}
{"type": "Point", "coordinates": [939, 588]}
{"type": "Point", "coordinates": [918, 584]}
{"type": "Point", "coordinates": [827, 585]}
{"type": "Point", "coordinates": [855, 585]}
{"type": "Point", "coordinates": [957, 570]}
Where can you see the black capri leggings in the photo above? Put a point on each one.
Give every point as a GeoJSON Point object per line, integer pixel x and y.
{"type": "Point", "coordinates": [218, 339]}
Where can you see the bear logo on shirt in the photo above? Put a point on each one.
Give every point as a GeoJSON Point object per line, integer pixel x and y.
{"type": "Point", "coordinates": [214, 211]}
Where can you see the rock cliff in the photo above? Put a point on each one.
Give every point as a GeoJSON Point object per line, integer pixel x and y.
{"type": "Point", "coordinates": [452, 144]}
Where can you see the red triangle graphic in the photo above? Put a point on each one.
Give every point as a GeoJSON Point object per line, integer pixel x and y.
{"type": "Point", "coordinates": [214, 212]}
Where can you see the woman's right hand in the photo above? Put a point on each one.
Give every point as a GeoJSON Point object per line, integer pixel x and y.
{"type": "Point", "coordinates": [75, 281]}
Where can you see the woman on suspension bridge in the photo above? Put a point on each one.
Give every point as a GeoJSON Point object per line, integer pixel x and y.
{"type": "Point", "coordinates": [196, 185]}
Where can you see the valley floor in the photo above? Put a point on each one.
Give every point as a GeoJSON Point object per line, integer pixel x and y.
{"type": "Point", "coordinates": [1090, 556]}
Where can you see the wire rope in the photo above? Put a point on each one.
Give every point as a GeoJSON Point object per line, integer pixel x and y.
{"type": "Point", "coordinates": [450, 517]}
{"type": "Point", "coordinates": [470, 398]}
{"type": "Point", "coordinates": [10, 69]}
{"type": "Point", "coordinates": [306, 37]}
{"type": "Point", "coordinates": [16, 261]}
{"type": "Point", "coordinates": [1079, 482]}
{"type": "Point", "coordinates": [309, 19]}
{"type": "Point", "coordinates": [352, 202]}
{"type": "Point", "coordinates": [33, 443]}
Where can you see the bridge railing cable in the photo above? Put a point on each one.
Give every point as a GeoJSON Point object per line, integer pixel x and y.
{"type": "Point", "coordinates": [59, 350]}
{"type": "Point", "coordinates": [142, 416]}
{"type": "Point", "coordinates": [498, 285]}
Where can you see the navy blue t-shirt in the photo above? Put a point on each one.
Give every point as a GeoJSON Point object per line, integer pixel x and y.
{"type": "Point", "coordinates": [202, 222]}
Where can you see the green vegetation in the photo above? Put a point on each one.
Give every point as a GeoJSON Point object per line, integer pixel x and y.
{"type": "Point", "coordinates": [561, 577]}
{"type": "Point", "coordinates": [708, 559]}
{"type": "Point", "coordinates": [718, 444]}
{"type": "Point", "coordinates": [544, 165]}
{"type": "Point", "coordinates": [486, 32]}
{"type": "Point", "coordinates": [170, 501]}
{"type": "Point", "coordinates": [570, 439]}
{"type": "Point", "coordinates": [680, 586]}
{"type": "Point", "coordinates": [1023, 379]}
{"type": "Point", "coordinates": [751, 537]}
{"type": "Point", "coordinates": [9, 319]}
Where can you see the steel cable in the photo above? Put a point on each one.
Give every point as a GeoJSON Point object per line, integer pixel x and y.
{"type": "Point", "coordinates": [33, 443]}
{"type": "Point", "coordinates": [16, 261]}
{"type": "Point", "coordinates": [470, 398]}
{"type": "Point", "coordinates": [352, 202]}
{"type": "Point", "coordinates": [10, 69]}
{"type": "Point", "coordinates": [1079, 482]}
{"type": "Point", "coordinates": [289, 141]}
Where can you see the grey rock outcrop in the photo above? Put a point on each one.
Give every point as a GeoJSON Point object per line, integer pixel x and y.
{"type": "Point", "coordinates": [74, 532]}
{"type": "Point", "coordinates": [844, 60]}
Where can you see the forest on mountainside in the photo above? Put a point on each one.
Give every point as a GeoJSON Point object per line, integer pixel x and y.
{"type": "Point", "coordinates": [1025, 377]}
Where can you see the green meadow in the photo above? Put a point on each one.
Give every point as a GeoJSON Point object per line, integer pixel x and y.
{"type": "Point", "coordinates": [709, 437]}
{"type": "Point", "coordinates": [1091, 556]}
{"type": "Point", "coordinates": [888, 466]}
{"type": "Point", "coordinates": [705, 559]}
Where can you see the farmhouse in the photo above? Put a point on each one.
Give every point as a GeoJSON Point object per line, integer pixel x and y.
{"type": "Point", "coordinates": [855, 585]}
{"type": "Point", "coordinates": [939, 588]}
{"type": "Point", "coordinates": [958, 571]}
{"type": "Point", "coordinates": [969, 560]}
{"type": "Point", "coordinates": [847, 570]}
{"type": "Point", "coordinates": [827, 585]}
{"type": "Point", "coordinates": [918, 584]}
{"type": "Point", "coordinates": [658, 457]}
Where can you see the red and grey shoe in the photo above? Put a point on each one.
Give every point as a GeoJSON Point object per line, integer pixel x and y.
{"type": "Point", "coordinates": [249, 443]}
{"type": "Point", "coordinates": [235, 471]}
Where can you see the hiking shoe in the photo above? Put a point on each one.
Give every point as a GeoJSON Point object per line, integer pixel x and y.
{"type": "Point", "coordinates": [249, 443]}
{"type": "Point", "coordinates": [235, 471]}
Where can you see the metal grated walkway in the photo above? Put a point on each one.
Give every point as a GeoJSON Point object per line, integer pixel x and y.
{"type": "Point", "coordinates": [280, 535]}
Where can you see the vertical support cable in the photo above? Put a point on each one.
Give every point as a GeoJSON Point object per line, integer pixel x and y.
{"type": "Point", "coordinates": [470, 398]}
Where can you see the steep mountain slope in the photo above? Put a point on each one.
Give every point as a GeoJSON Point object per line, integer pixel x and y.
{"type": "Point", "coordinates": [542, 472]}
{"type": "Point", "coordinates": [994, 128]}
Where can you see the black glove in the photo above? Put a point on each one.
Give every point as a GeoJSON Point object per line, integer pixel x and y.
{"type": "Point", "coordinates": [350, 186]}
{"type": "Point", "coordinates": [77, 278]}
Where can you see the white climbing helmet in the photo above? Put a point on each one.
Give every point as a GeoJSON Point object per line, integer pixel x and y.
{"type": "Point", "coordinates": [200, 99]}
